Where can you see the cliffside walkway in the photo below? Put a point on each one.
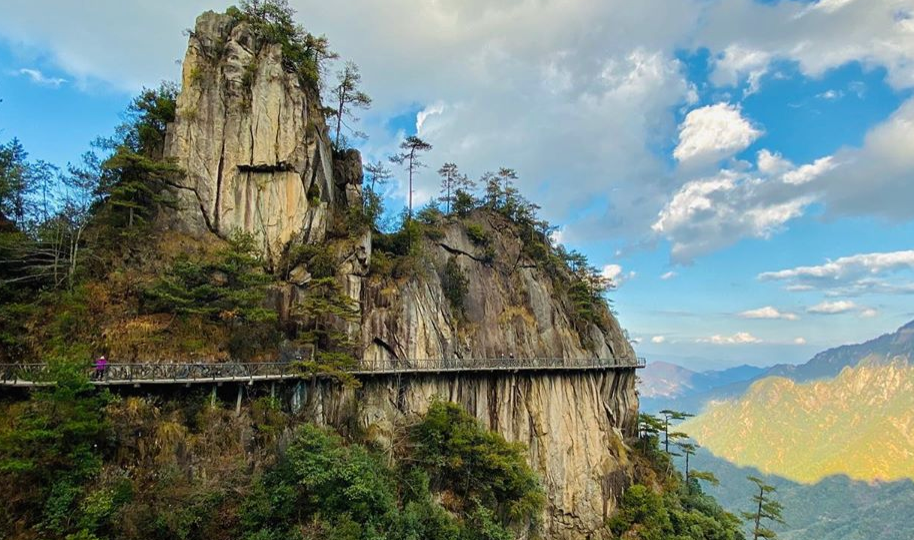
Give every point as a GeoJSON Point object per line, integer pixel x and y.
{"type": "Point", "coordinates": [201, 373]}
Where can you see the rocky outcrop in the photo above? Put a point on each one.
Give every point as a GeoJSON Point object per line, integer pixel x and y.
{"type": "Point", "coordinates": [573, 425]}
{"type": "Point", "coordinates": [512, 307]}
{"type": "Point", "coordinates": [250, 138]}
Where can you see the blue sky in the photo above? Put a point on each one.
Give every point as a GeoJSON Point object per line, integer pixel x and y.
{"type": "Point", "coordinates": [691, 155]}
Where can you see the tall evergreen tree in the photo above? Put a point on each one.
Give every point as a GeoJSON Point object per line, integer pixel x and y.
{"type": "Point", "coordinates": [24, 186]}
{"type": "Point", "coordinates": [137, 173]}
{"type": "Point", "coordinates": [492, 191]}
{"type": "Point", "coordinates": [411, 148]}
{"type": "Point", "coordinates": [766, 508]}
{"type": "Point", "coordinates": [452, 181]}
{"type": "Point", "coordinates": [448, 173]}
{"type": "Point", "coordinates": [346, 97]}
{"type": "Point", "coordinates": [508, 189]}
{"type": "Point", "coordinates": [669, 415]}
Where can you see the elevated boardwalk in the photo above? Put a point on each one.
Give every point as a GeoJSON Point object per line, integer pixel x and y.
{"type": "Point", "coordinates": [114, 374]}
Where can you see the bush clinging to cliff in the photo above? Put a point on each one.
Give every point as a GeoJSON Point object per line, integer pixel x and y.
{"type": "Point", "coordinates": [273, 21]}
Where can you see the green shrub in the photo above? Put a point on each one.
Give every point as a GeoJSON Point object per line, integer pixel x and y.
{"type": "Point", "coordinates": [455, 285]}
{"type": "Point", "coordinates": [317, 259]}
{"type": "Point", "coordinates": [314, 194]}
{"type": "Point", "coordinates": [478, 235]}
{"type": "Point", "coordinates": [342, 480]}
{"type": "Point", "coordinates": [272, 22]}
{"type": "Point", "coordinates": [464, 203]}
{"type": "Point", "coordinates": [231, 288]}
{"type": "Point", "coordinates": [480, 466]}
{"type": "Point", "coordinates": [51, 446]}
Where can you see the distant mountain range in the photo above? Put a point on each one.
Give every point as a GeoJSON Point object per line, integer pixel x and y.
{"type": "Point", "coordinates": [716, 386]}
{"type": "Point", "coordinates": [663, 382]}
{"type": "Point", "coordinates": [859, 424]}
{"type": "Point", "coordinates": [834, 435]}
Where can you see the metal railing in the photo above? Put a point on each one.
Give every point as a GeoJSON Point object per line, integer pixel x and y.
{"type": "Point", "coordinates": [171, 373]}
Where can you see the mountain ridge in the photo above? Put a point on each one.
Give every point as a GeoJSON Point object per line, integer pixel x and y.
{"type": "Point", "coordinates": [882, 350]}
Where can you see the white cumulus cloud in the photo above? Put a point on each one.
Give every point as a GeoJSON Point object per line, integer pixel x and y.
{"type": "Point", "coordinates": [712, 213]}
{"type": "Point", "coordinates": [668, 275]}
{"type": "Point", "coordinates": [832, 308]}
{"type": "Point", "coordinates": [712, 133]}
{"type": "Point", "coordinates": [879, 272]}
{"type": "Point", "coordinates": [616, 275]}
{"type": "Point", "coordinates": [799, 341]}
{"type": "Point", "coordinates": [739, 338]}
{"type": "Point", "coordinates": [658, 339]}
{"type": "Point", "coordinates": [768, 312]}
{"type": "Point", "coordinates": [736, 63]}
{"type": "Point", "coordinates": [809, 172]}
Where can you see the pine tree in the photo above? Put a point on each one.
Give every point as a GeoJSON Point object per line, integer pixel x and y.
{"type": "Point", "coordinates": [491, 185]}
{"type": "Point", "coordinates": [346, 96]}
{"type": "Point", "coordinates": [411, 148]}
{"type": "Point", "coordinates": [509, 191]}
{"type": "Point", "coordinates": [649, 426]}
{"type": "Point", "coordinates": [377, 175]}
{"type": "Point", "coordinates": [452, 181]}
{"type": "Point", "coordinates": [669, 415]}
{"type": "Point", "coordinates": [137, 174]}
{"type": "Point", "coordinates": [766, 508]}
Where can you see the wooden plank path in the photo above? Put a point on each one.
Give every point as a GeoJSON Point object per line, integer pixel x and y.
{"type": "Point", "coordinates": [27, 375]}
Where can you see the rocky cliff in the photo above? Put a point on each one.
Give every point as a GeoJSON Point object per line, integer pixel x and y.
{"type": "Point", "coordinates": [573, 424]}
{"type": "Point", "coordinates": [513, 306]}
{"type": "Point", "coordinates": [251, 140]}
{"type": "Point", "coordinates": [254, 148]}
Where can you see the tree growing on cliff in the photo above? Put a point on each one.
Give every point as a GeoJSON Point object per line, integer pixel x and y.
{"type": "Point", "coordinates": [668, 416]}
{"type": "Point", "coordinates": [18, 182]}
{"type": "Point", "coordinates": [492, 191]}
{"type": "Point", "coordinates": [508, 189]}
{"type": "Point", "coordinates": [347, 97]}
{"type": "Point", "coordinates": [455, 285]}
{"type": "Point", "coordinates": [452, 181]}
{"type": "Point", "coordinates": [273, 21]}
{"type": "Point", "coordinates": [411, 148]}
{"type": "Point", "coordinates": [137, 175]}
{"type": "Point", "coordinates": [377, 175]}
{"type": "Point", "coordinates": [766, 509]}
{"type": "Point", "coordinates": [688, 449]}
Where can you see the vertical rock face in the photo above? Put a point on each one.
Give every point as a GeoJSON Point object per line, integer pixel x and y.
{"type": "Point", "coordinates": [253, 145]}
{"type": "Point", "coordinates": [572, 423]}
{"type": "Point", "coordinates": [251, 141]}
{"type": "Point", "coordinates": [512, 308]}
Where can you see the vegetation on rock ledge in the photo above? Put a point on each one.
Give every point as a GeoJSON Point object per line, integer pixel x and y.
{"type": "Point", "coordinates": [81, 464]}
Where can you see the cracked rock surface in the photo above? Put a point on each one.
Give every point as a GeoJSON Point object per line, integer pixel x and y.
{"type": "Point", "coordinates": [250, 139]}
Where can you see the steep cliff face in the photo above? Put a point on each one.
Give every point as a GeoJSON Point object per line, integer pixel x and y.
{"type": "Point", "coordinates": [251, 141]}
{"type": "Point", "coordinates": [573, 425]}
{"type": "Point", "coordinates": [254, 148]}
{"type": "Point", "coordinates": [513, 306]}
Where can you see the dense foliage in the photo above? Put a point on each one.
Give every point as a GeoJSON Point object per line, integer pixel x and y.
{"type": "Point", "coordinates": [273, 22]}
{"type": "Point", "coordinates": [82, 464]}
{"type": "Point", "coordinates": [85, 263]}
{"type": "Point", "coordinates": [51, 448]}
{"type": "Point", "coordinates": [664, 504]}
{"type": "Point", "coordinates": [399, 251]}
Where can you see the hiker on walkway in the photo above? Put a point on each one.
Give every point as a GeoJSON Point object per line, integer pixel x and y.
{"type": "Point", "coordinates": [101, 364]}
